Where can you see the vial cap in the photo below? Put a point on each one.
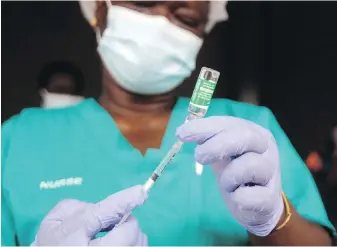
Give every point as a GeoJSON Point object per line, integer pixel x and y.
{"type": "Point", "coordinates": [209, 74]}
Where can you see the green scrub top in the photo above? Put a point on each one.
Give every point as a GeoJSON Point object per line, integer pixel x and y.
{"type": "Point", "coordinates": [78, 152]}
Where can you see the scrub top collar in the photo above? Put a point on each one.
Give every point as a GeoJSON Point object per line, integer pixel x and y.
{"type": "Point", "coordinates": [103, 123]}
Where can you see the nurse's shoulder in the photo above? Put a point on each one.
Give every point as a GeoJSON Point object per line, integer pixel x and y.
{"type": "Point", "coordinates": [34, 128]}
{"type": "Point", "coordinates": [37, 136]}
{"type": "Point", "coordinates": [36, 120]}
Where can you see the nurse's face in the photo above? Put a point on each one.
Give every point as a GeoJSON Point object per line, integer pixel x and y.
{"type": "Point", "coordinates": [189, 15]}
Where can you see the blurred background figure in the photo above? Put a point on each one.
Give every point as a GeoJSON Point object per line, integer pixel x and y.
{"type": "Point", "coordinates": [314, 162]}
{"type": "Point", "coordinates": [324, 161]}
{"type": "Point", "coordinates": [323, 165]}
{"type": "Point", "coordinates": [60, 84]}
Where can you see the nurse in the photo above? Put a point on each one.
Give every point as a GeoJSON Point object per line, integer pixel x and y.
{"type": "Point", "coordinates": [256, 190]}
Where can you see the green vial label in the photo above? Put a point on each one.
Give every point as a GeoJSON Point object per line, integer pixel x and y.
{"type": "Point", "coordinates": [203, 93]}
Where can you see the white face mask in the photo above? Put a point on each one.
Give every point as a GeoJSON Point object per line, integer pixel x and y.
{"type": "Point", "coordinates": [147, 54]}
{"type": "Point", "coordinates": [55, 100]}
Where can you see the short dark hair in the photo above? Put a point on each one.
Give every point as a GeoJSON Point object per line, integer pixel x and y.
{"type": "Point", "coordinates": [61, 67]}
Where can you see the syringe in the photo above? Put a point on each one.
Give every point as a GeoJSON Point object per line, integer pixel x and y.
{"type": "Point", "coordinates": [201, 98]}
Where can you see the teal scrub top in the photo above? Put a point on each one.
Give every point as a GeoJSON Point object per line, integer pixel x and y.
{"type": "Point", "coordinates": [78, 152]}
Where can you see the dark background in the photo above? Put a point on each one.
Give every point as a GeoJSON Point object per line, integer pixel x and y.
{"type": "Point", "coordinates": [288, 50]}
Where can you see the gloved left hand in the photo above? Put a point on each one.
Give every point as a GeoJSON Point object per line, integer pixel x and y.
{"type": "Point", "coordinates": [245, 159]}
{"type": "Point", "coordinates": [75, 223]}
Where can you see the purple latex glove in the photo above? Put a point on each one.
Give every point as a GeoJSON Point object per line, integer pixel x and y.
{"type": "Point", "coordinates": [245, 159]}
{"type": "Point", "coordinates": [75, 223]}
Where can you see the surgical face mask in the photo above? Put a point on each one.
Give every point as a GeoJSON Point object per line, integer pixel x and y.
{"type": "Point", "coordinates": [55, 100]}
{"type": "Point", "coordinates": [147, 54]}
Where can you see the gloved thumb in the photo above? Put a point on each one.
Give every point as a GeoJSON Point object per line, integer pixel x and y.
{"type": "Point", "coordinates": [110, 211]}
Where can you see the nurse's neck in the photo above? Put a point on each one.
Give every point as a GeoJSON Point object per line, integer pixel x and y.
{"type": "Point", "coordinates": [118, 101]}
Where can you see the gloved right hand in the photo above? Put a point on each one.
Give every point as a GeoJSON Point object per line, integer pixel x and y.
{"type": "Point", "coordinates": [76, 223]}
{"type": "Point", "coordinates": [244, 157]}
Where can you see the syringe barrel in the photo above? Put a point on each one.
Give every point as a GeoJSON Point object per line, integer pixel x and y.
{"type": "Point", "coordinates": [203, 92]}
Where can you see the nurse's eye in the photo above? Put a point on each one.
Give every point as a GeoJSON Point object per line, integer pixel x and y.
{"type": "Point", "coordinates": [187, 17]}
{"type": "Point", "coordinates": [188, 21]}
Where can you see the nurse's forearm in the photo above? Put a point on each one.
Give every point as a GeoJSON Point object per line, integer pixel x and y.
{"type": "Point", "coordinates": [297, 231]}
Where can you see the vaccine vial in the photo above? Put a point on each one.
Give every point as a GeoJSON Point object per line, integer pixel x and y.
{"type": "Point", "coordinates": [203, 92]}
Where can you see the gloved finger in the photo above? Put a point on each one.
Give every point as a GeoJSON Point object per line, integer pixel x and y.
{"type": "Point", "coordinates": [256, 198]}
{"type": "Point", "coordinates": [200, 130]}
{"type": "Point", "coordinates": [126, 234]}
{"type": "Point", "coordinates": [250, 168]}
{"type": "Point", "coordinates": [111, 210]}
{"type": "Point", "coordinates": [63, 210]}
{"type": "Point", "coordinates": [230, 144]}
{"type": "Point", "coordinates": [65, 218]}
